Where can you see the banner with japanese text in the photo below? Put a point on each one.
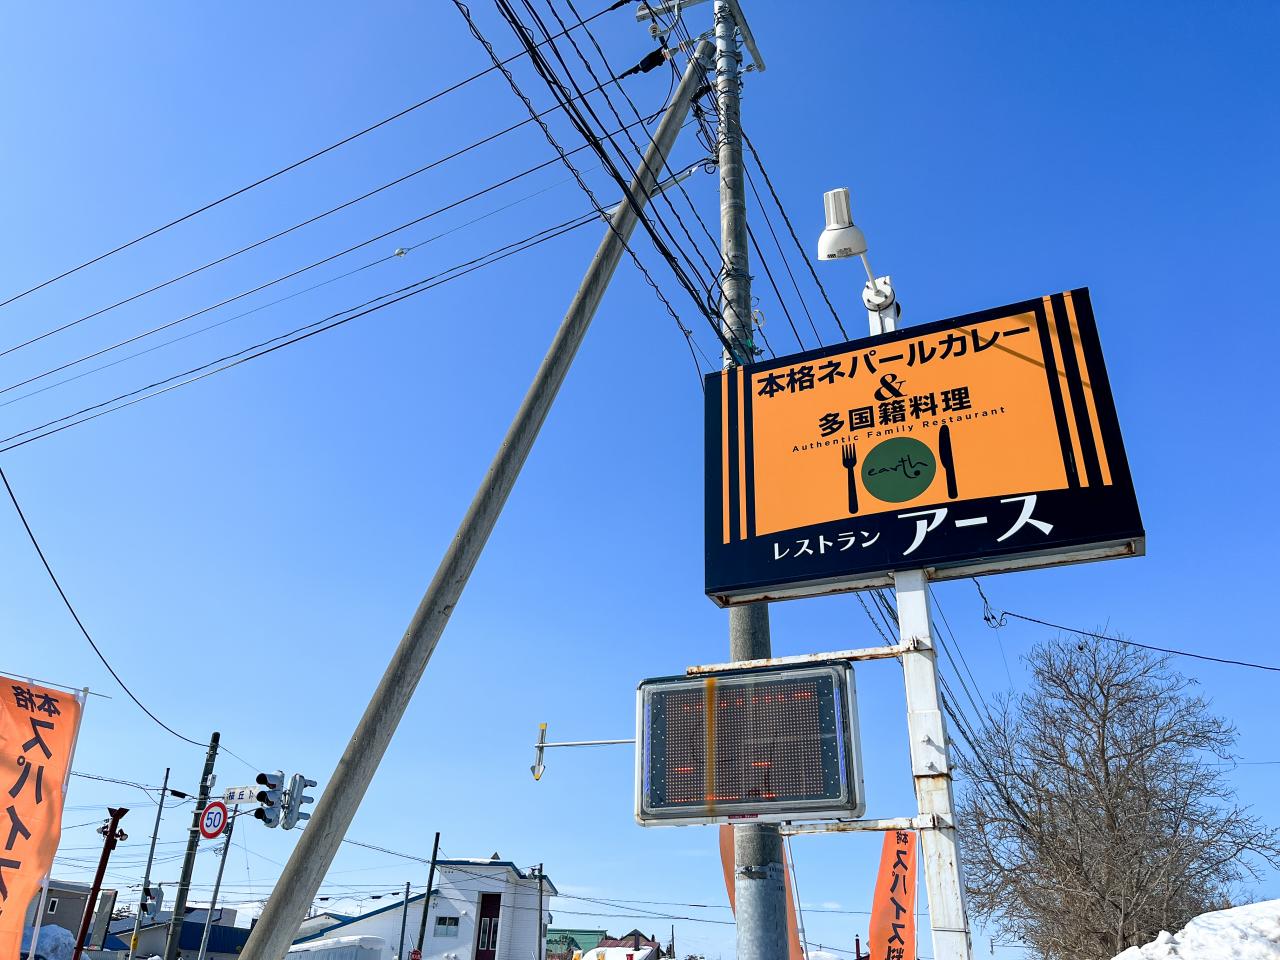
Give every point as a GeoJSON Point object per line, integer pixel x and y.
{"type": "Point", "coordinates": [985, 442]}
{"type": "Point", "coordinates": [893, 909]}
{"type": "Point", "coordinates": [38, 728]}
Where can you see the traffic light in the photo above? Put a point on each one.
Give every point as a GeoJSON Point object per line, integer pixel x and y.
{"type": "Point", "coordinates": [294, 800]}
{"type": "Point", "coordinates": [271, 798]}
{"type": "Point", "coordinates": [153, 899]}
{"type": "Point", "coordinates": [764, 745]}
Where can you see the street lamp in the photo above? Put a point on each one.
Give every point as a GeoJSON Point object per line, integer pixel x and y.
{"type": "Point", "coordinates": [842, 239]}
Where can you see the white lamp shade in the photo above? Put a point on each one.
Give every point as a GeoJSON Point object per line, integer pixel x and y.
{"type": "Point", "coordinates": [841, 238]}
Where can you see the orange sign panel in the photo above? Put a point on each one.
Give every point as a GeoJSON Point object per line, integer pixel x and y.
{"type": "Point", "coordinates": [893, 910]}
{"type": "Point", "coordinates": [37, 733]}
{"type": "Point", "coordinates": [950, 445]}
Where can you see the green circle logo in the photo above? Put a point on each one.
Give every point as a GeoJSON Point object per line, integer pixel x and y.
{"type": "Point", "coordinates": [898, 469]}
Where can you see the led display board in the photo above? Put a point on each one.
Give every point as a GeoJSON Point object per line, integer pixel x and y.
{"type": "Point", "coordinates": [979, 444]}
{"type": "Point", "coordinates": [769, 745]}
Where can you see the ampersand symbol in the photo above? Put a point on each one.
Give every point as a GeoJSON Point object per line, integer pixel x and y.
{"type": "Point", "coordinates": [890, 387]}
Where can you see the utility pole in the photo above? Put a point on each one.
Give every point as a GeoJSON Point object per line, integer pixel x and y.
{"type": "Point", "coordinates": [759, 876]}
{"type": "Point", "coordinates": [426, 901]}
{"type": "Point", "coordinates": [542, 928]}
{"type": "Point", "coordinates": [217, 883]}
{"type": "Point", "coordinates": [189, 861]}
{"type": "Point", "coordinates": [404, 919]}
{"type": "Point", "coordinates": [311, 858]}
{"type": "Point", "coordinates": [111, 836]}
{"type": "Point", "coordinates": [146, 874]}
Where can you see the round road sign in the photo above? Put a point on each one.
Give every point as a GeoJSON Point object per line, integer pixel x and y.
{"type": "Point", "coordinates": [415, 954]}
{"type": "Point", "coordinates": [214, 820]}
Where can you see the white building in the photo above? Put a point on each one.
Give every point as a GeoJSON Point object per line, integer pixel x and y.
{"type": "Point", "coordinates": [479, 910]}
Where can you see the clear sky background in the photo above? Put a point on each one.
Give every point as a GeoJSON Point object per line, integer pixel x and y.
{"type": "Point", "coordinates": [248, 549]}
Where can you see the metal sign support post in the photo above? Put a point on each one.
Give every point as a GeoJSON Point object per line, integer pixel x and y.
{"type": "Point", "coordinates": [217, 883]}
{"type": "Point", "coordinates": [926, 728]}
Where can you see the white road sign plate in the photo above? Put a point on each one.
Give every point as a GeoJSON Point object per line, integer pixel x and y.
{"type": "Point", "coordinates": [240, 794]}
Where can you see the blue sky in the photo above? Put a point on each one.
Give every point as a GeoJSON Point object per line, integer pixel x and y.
{"type": "Point", "coordinates": [248, 549]}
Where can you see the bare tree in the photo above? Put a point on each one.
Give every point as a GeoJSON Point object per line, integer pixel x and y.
{"type": "Point", "coordinates": [1094, 810]}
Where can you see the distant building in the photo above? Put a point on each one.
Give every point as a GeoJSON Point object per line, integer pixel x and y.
{"type": "Point", "coordinates": [479, 910]}
{"type": "Point", "coordinates": [635, 940]}
{"type": "Point", "coordinates": [226, 940]}
{"type": "Point", "coordinates": [64, 906]}
{"type": "Point", "coordinates": [562, 942]}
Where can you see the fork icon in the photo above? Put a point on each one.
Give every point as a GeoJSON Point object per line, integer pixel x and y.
{"type": "Point", "coordinates": [849, 457]}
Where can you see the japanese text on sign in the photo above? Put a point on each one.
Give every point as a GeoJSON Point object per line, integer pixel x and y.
{"type": "Point", "coordinates": [37, 732]}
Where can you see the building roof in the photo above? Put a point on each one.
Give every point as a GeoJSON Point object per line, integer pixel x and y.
{"type": "Point", "coordinates": [462, 862]}
{"type": "Point", "coordinates": [586, 939]}
{"type": "Point", "coordinates": [222, 939]}
{"type": "Point", "coordinates": [633, 938]}
{"type": "Point", "coordinates": [341, 920]}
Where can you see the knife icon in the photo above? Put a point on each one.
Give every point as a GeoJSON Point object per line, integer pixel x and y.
{"type": "Point", "coordinates": [947, 459]}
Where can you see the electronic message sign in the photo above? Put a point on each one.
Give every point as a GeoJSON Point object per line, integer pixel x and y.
{"type": "Point", "coordinates": [983, 443]}
{"type": "Point", "coordinates": [768, 745]}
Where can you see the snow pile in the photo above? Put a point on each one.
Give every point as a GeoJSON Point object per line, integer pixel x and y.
{"type": "Point", "coordinates": [55, 943]}
{"type": "Point", "coordinates": [1242, 933]}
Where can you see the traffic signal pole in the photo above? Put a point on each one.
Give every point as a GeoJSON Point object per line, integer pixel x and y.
{"type": "Point", "coordinates": [189, 861]}
{"type": "Point", "coordinates": [146, 874]}
{"type": "Point", "coordinates": [759, 876]}
{"type": "Point", "coordinates": [217, 883]}
{"type": "Point", "coordinates": [311, 858]}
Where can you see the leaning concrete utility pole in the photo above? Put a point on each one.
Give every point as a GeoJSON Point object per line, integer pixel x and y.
{"type": "Point", "coordinates": [297, 886]}
{"type": "Point", "coordinates": [189, 861]}
{"type": "Point", "coordinates": [759, 876]}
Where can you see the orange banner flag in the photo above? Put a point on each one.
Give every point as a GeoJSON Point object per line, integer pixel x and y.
{"type": "Point", "coordinates": [38, 729]}
{"type": "Point", "coordinates": [893, 909]}
{"type": "Point", "coordinates": [795, 950]}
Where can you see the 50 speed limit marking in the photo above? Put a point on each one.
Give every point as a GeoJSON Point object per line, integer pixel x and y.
{"type": "Point", "coordinates": [214, 820]}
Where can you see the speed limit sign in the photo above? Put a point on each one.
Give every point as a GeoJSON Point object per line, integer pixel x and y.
{"type": "Point", "coordinates": [214, 820]}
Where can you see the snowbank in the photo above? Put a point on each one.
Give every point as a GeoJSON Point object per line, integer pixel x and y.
{"type": "Point", "coordinates": [1242, 933]}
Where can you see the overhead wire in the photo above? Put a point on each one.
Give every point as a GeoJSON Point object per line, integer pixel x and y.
{"type": "Point", "coordinates": [294, 273]}
{"type": "Point", "coordinates": [76, 616]}
{"type": "Point", "coordinates": [298, 334]}
{"type": "Point", "coordinates": [288, 168]}
{"type": "Point", "coordinates": [792, 230]}
{"type": "Point", "coordinates": [1145, 646]}
{"type": "Point", "coordinates": [547, 74]}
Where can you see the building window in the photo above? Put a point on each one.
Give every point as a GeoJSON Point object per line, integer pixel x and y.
{"type": "Point", "coordinates": [53, 905]}
{"type": "Point", "coordinates": [446, 926]}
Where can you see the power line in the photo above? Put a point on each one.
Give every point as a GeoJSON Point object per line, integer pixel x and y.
{"type": "Point", "coordinates": [265, 240]}
{"type": "Point", "coordinates": [786, 261]}
{"type": "Point", "coordinates": [283, 170]}
{"type": "Point", "coordinates": [1144, 646]}
{"type": "Point", "coordinates": [76, 617]}
{"type": "Point", "coordinates": [270, 283]}
{"type": "Point", "coordinates": [553, 83]}
{"type": "Point", "coordinates": [791, 228]}
{"type": "Point", "coordinates": [288, 338]}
